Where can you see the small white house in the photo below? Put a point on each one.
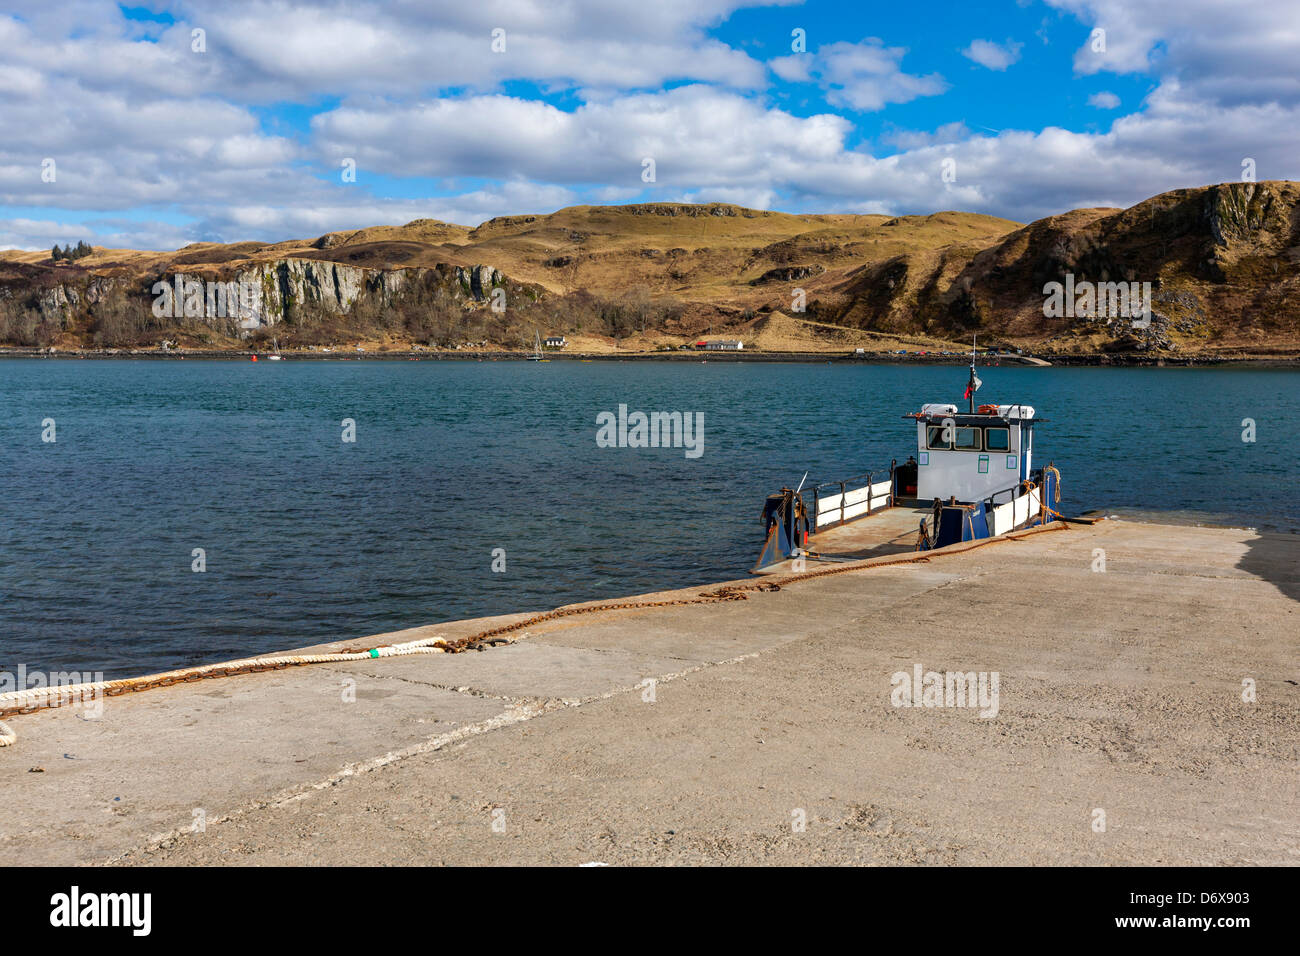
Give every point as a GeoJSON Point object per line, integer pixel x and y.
{"type": "Point", "coordinates": [721, 345]}
{"type": "Point", "coordinates": [556, 342]}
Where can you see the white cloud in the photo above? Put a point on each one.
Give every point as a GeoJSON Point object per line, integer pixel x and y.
{"type": "Point", "coordinates": [720, 145]}
{"type": "Point", "coordinates": [1234, 54]}
{"type": "Point", "coordinates": [697, 135]}
{"type": "Point", "coordinates": [279, 48]}
{"type": "Point", "coordinates": [914, 139]}
{"type": "Point", "coordinates": [148, 134]}
{"type": "Point", "coordinates": [749, 198]}
{"type": "Point", "coordinates": [862, 76]}
{"type": "Point", "coordinates": [33, 234]}
{"type": "Point", "coordinates": [995, 56]}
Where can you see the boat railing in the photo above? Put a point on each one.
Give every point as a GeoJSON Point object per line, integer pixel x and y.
{"type": "Point", "coordinates": [1015, 511]}
{"type": "Point", "coordinates": [991, 500]}
{"type": "Point", "coordinates": [837, 502]}
{"type": "Point", "coordinates": [1011, 492]}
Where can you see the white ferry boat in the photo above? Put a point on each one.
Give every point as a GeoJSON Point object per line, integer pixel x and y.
{"type": "Point", "coordinates": [971, 477]}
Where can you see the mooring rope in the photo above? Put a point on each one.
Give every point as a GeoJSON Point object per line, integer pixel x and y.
{"type": "Point", "coordinates": [41, 698]}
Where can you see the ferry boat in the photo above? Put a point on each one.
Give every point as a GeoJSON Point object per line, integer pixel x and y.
{"type": "Point", "coordinates": [971, 477]}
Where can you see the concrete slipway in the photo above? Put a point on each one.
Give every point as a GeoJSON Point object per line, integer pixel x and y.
{"type": "Point", "coordinates": [1119, 691]}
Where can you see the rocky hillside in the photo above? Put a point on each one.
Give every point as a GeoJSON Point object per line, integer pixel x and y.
{"type": "Point", "coordinates": [209, 298]}
{"type": "Point", "coordinates": [1222, 263]}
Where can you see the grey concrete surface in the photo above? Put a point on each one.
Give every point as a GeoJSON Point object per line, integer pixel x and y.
{"type": "Point", "coordinates": [1119, 692]}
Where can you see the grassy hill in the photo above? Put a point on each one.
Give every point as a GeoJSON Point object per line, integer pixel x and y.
{"type": "Point", "coordinates": [1223, 262]}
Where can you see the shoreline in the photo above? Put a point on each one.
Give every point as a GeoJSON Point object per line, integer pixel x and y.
{"type": "Point", "coordinates": [783, 700]}
{"type": "Point", "coordinates": [725, 578]}
{"type": "Point", "coordinates": [1039, 360]}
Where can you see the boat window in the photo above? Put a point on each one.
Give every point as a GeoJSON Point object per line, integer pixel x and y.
{"type": "Point", "coordinates": [968, 439]}
{"type": "Point", "coordinates": [934, 437]}
{"type": "Point", "coordinates": [997, 439]}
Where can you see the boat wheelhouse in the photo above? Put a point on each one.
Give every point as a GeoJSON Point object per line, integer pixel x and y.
{"type": "Point", "coordinates": [970, 477]}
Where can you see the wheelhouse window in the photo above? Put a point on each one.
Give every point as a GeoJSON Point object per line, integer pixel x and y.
{"type": "Point", "coordinates": [968, 439]}
{"type": "Point", "coordinates": [934, 438]}
{"type": "Point", "coordinates": [997, 439]}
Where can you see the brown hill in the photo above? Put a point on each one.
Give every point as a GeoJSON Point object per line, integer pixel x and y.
{"type": "Point", "coordinates": [1222, 262]}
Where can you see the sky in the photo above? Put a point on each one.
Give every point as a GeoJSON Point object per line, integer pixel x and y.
{"type": "Point", "coordinates": [156, 125]}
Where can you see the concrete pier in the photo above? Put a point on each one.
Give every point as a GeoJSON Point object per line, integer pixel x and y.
{"type": "Point", "coordinates": [757, 731]}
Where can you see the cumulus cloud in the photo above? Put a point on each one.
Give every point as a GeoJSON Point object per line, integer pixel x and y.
{"type": "Point", "coordinates": [995, 56]}
{"type": "Point", "coordinates": [157, 145]}
{"type": "Point", "coordinates": [716, 144]}
{"type": "Point", "coordinates": [913, 139]}
{"type": "Point", "coordinates": [1231, 55]}
{"type": "Point", "coordinates": [862, 76]}
{"type": "Point", "coordinates": [697, 135]}
{"type": "Point", "coordinates": [279, 48]}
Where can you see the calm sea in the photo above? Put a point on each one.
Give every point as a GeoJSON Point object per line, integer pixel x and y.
{"type": "Point", "coordinates": [308, 538]}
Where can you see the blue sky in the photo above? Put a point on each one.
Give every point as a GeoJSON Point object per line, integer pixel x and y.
{"type": "Point", "coordinates": [1039, 89]}
{"type": "Point", "coordinates": [118, 126]}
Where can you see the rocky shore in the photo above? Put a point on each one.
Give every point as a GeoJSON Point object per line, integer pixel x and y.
{"type": "Point", "coordinates": [1274, 359]}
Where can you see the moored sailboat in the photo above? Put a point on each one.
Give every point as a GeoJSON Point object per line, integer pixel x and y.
{"type": "Point", "coordinates": [537, 348]}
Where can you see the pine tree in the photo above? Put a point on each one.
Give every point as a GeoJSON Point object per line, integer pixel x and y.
{"type": "Point", "coordinates": [56, 253]}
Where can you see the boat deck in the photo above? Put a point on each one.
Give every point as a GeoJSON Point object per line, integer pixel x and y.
{"type": "Point", "coordinates": [891, 531]}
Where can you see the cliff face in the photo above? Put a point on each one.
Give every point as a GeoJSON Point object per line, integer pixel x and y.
{"type": "Point", "coordinates": [329, 285]}
{"type": "Point", "coordinates": [238, 300]}
{"type": "Point", "coordinates": [283, 284]}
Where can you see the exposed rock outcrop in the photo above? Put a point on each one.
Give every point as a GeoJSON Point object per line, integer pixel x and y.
{"type": "Point", "coordinates": [789, 274]}
{"type": "Point", "coordinates": [1218, 258]}
{"type": "Point", "coordinates": [478, 281]}
{"type": "Point", "coordinates": [277, 286]}
{"type": "Point", "coordinates": [255, 295]}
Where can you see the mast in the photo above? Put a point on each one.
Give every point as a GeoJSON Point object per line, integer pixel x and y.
{"type": "Point", "coordinates": [971, 385]}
